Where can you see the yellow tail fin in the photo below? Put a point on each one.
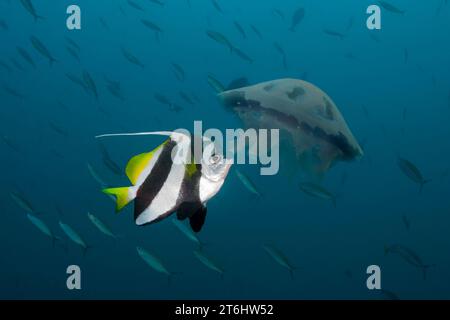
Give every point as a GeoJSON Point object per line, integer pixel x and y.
{"type": "Point", "coordinates": [124, 196]}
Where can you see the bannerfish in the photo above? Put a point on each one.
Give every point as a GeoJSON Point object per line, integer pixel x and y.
{"type": "Point", "coordinates": [208, 262]}
{"type": "Point", "coordinates": [74, 236]}
{"type": "Point", "coordinates": [38, 223]}
{"type": "Point", "coordinates": [308, 120]}
{"type": "Point", "coordinates": [317, 191]}
{"type": "Point", "coordinates": [280, 258]}
{"type": "Point", "coordinates": [412, 172]}
{"type": "Point", "coordinates": [101, 226]}
{"type": "Point", "coordinates": [249, 185]}
{"type": "Point", "coordinates": [187, 231]}
{"type": "Point", "coordinates": [154, 262]}
{"type": "Point", "coordinates": [162, 186]}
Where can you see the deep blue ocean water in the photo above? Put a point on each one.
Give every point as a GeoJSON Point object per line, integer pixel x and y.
{"type": "Point", "coordinates": [393, 105]}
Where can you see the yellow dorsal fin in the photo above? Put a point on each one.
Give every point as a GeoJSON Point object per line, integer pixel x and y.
{"type": "Point", "coordinates": [138, 163]}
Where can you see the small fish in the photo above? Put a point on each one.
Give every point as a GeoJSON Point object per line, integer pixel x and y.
{"type": "Point", "coordinates": [350, 56]}
{"type": "Point", "coordinates": [115, 89]}
{"type": "Point", "coordinates": [158, 2]}
{"type": "Point", "coordinates": [179, 71]}
{"type": "Point", "coordinates": [240, 29]}
{"type": "Point", "coordinates": [374, 37]}
{"type": "Point", "coordinates": [6, 66]}
{"type": "Point", "coordinates": [104, 23]}
{"type": "Point", "coordinates": [155, 263]}
{"type": "Point", "coordinates": [13, 92]}
{"type": "Point", "coordinates": [256, 31]}
{"type": "Point", "coordinates": [152, 26]}
{"type": "Point", "coordinates": [317, 191]}
{"type": "Point", "coordinates": [11, 144]}
{"type": "Point", "coordinates": [215, 84]}
{"type": "Point", "coordinates": [107, 160]}
{"type": "Point", "coordinates": [409, 256]}
{"type": "Point", "coordinates": [365, 111]}
{"type": "Point", "coordinates": [412, 172]}
{"type": "Point", "coordinates": [333, 33]}
{"type": "Point", "coordinates": [26, 56]}
{"type": "Point", "coordinates": [208, 262]}
{"type": "Point", "coordinates": [162, 99]}
{"type": "Point", "coordinates": [242, 55]}
{"type": "Point", "coordinates": [238, 83]}
{"type": "Point", "coordinates": [3, 25]}
{"type": "Point", "coordinates": [176, 108]}
{"type": "Point", "coordinates": [404, 113]}
{"type": "Point", "coordinates": [280, 258]}
{"type": "Point", "coordinates": [297, 17]}
{"type": "Point", "coordinates": [101, 226]}
{"type": "Point", "coordinates": [220, 38]}
{"type": "Point", "coordinates": [73, 44]}
{"type": "Point", "coordinates": [278, 12]}
{"type": "Point", "coordinates": [135, 5]}
{"type": "Point", "coordinates": [122, 11]}
{"type": "Point", "coordinates": [389, 295]}
{"type": "Point", "coordinates": [17, 64]}
{"type": "Point", "coordinates": [390, 7]}
{"type": "Point", "coordinates": [58, 129]}
{"type": "Point", "coordinates": [28, 5]}
{"type": "Point", "coordinates": [249, 185]}
{"type": "Point", "coordinates": [132, 58]}
{"type": "Point", "coordinates": [216, 6]}
{"type": "Point", "coordinates": [406, 222]}
{"type": "Point", "coordinates": [38, 223]}
{"type": "Point", "coordinates": [186, 98]}
{"type": "Point", "coordinates": [22, 202]}
{"type": "Point", "coordinates": [77, 80]}
{"type": "Point", "coordinates": [96, 176]}
{"type": "Point", "coordinates": [74, 236]}
{"type": "Point", "coordinates": [73, 53]}
{"type": "Point", "coordinates": [90, 83]}
{"type": "Point", "coordinates": [42, 49]}
{"type": "Point", "coordinates": [283, 54]}
{"type": "Point", "coordinates": [350, 23]}
{"type": "Point", "coordinates": [187, 231]}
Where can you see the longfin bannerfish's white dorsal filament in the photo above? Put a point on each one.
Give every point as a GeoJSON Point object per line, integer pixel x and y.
{"type": "Point", "coordinates": [175, 136]}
